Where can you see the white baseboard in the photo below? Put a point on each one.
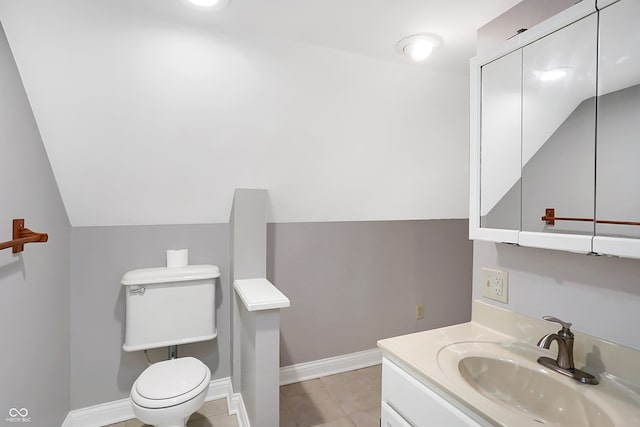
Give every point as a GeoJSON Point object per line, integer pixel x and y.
{"type": "Point", "coordinates": [120, 410]}
{"type": "Point", "coordinates": [330, 366]}
{"type": "Point", "coordinates": [100, 415]}
{"type": "Point", "coordinates": [236, 406]}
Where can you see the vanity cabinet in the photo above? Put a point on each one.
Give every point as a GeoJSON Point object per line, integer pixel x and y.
{"type": "Point", "coordinates": [555, 113]}
{"type": "Point", "coordinates": [406, 401]}
{"type": "Point", "coordinates": [390, 418]}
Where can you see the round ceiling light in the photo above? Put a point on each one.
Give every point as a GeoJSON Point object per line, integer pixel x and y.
{"type": "Point", "coordinates": [418, 47]}
{"type": "Point", "coordinates": [214, 4]}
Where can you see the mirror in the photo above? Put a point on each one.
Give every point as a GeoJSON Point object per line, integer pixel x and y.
{"type": "Point", "coordinates": [558, 129]}
{"type": "Point", "coordinates": [500, 145]}
{"type": "Point", "coordinates": [618, 143]}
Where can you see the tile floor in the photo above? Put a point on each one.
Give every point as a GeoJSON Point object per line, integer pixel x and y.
{"type": "Point", "coordinates": [212, 414]}
{"type": "Point", "coordinates": [350, 399]}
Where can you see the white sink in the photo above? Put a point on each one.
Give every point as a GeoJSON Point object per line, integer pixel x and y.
{"type": "Point", "coordinates": [534, 392]}
{"type": "Point", "coordinates": [507, 375]}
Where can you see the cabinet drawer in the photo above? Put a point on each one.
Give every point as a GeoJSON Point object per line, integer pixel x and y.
{"type": "Point", "coordinates": [417, 403]}
{"type": "Point", "coordinates": [390, 418]}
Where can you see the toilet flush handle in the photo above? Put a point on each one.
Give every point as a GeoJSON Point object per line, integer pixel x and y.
{"type": "Point", "coordinates": [137, 291]}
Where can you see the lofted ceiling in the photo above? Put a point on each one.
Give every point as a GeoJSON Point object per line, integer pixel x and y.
{"type": "Point", "coordinates": [152, 111]}
{"type": "Point", "coordinates": [359, 26]}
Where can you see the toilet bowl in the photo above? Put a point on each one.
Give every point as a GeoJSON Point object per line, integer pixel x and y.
{"type": "Point", "coordinates": [168, 392]}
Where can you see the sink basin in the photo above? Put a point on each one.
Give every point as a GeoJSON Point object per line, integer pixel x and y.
{"type": "Point", "coordinates": [532, 391]}
{"type": "Point", "coordinates": [504, 382]}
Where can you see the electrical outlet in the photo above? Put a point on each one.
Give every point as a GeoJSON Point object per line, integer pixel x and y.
{"type": "Point", "coordinates": [495, 284]}
{"type": "Point", "coordinates": [419, 311]}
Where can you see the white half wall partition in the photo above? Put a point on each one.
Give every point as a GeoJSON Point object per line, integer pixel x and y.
{"type": "Point", "coordinates": [260, 349]}
{"type": "Point", "coordinates": [248, 250]}
{"type": "Point", "coordinates": [256, 311]}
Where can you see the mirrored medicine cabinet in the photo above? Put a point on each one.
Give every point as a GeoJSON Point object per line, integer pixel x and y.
{"type": "Point", "coordinates": [555, 134]}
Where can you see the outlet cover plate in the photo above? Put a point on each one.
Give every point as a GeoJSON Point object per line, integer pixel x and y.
{"type": "Point", "coordinates": [495, 285]}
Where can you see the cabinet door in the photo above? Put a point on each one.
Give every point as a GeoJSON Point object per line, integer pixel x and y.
{"type": "Point", "coordinates": [618, 143]}
{"type": "Point", "coordinates": [496, 147]}
{"type": "Point", "coordinates": [418, 404]}
{"type": "Point", "coordinates": [500, 143]}
{"type": "Point", "coordinates": [558, 136]}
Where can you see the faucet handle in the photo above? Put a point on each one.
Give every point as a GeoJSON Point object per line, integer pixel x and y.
{"type": "Point", "coordinates": [565, 325]}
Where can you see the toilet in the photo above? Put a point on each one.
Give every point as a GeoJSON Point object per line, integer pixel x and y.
{"type": "Point", "coordinates": [166, 307]}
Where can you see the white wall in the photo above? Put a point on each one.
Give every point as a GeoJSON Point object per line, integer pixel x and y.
{"type": "Point", "coordinates": [599, 295]}
{"type": "Point", "coordinates": [155, 121]}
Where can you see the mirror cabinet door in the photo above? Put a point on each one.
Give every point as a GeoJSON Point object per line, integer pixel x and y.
{"type": "Point", "coordinates": [618, 142]}
{"type": "Point", "coordinates": [500, 142]}
{"type": "Point", "coordinates": [558, 129]}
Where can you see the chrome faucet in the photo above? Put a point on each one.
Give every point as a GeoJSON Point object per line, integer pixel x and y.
{"type": "Point", "coordinates": [564, 362]}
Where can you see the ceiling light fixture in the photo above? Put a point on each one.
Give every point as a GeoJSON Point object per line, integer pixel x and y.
{"type": "Point", "coordinates": [216, 4]}
{"type": "Point", "coordinates": [418, 47]}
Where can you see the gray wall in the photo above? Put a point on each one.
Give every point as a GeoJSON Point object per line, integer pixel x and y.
{"type": "Point", "coordinates": [100, 370]}
{"type": "Point", "coordinates": [353, 283]}
{"type": "Point", "coordinates": [350, 284]}
{"type": "Point", "coordinates": [599, 295]}
{"type": "Point", "coordinates": [34, 307]}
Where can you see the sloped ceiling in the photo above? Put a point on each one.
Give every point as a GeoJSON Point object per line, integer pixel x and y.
{"type": "Point", "coordinates": [153, 111]}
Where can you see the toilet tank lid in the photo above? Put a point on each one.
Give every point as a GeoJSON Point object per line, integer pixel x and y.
{"type": "Point", "coordinates": [145, 276]}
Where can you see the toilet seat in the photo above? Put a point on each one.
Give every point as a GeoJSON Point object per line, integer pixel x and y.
{"type": "Point", "coordinates": [170, 383]}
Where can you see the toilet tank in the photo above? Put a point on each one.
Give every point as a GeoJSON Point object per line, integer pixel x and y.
{"type": "Point", "coordinates": [169, 306]}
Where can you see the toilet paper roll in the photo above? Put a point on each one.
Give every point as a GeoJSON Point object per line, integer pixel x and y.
{"type": "Point", "coordinates": [177, 258]}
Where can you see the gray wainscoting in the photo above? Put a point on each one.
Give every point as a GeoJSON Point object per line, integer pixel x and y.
{"type": "Point", "coordinates": [350, 284]}
{"type": "Point", "coordinates": [353, 283]}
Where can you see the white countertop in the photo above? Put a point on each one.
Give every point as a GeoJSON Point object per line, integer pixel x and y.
{"type": "Point", "coordinates": [422, 356]}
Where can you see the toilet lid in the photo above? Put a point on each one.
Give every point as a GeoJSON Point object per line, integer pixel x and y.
{"type": "Point", "coordinates": [171, 378]}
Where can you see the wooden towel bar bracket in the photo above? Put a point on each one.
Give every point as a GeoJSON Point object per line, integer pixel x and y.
{"type": "Point", "coordinates": [21, 236]}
